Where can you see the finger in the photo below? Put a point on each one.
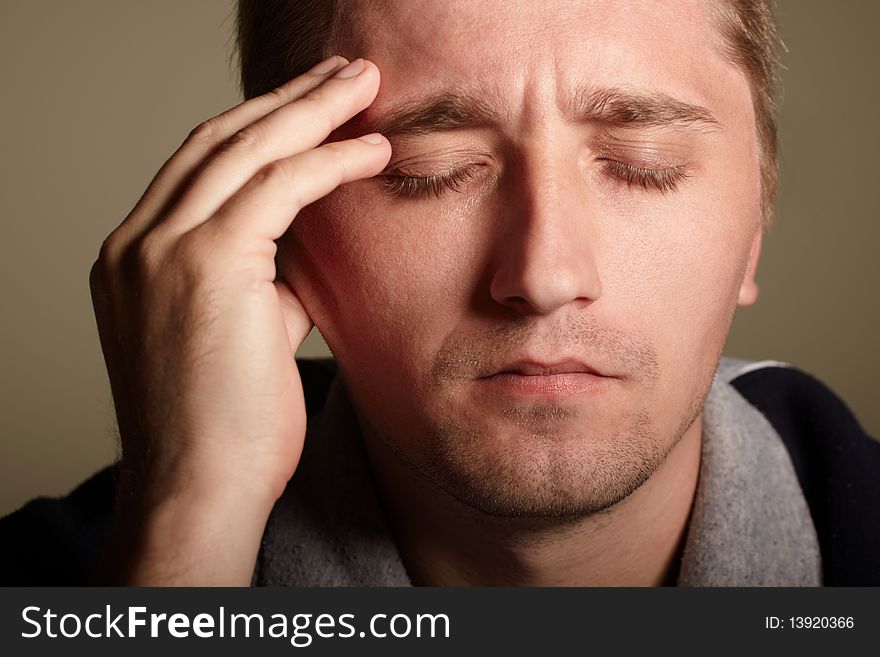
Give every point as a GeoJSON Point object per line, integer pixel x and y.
{"type": "Point", "coordinates": [177, 172]}
{"type": "Point", "coordinates": [287, 131]}
{"type": "Point", "coordinates": [296, 319]}
{"type": "Point", "coordinates": [266, 206]}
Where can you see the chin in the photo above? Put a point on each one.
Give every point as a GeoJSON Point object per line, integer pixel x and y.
{"type": "Point", "coordinates": [545, 470]}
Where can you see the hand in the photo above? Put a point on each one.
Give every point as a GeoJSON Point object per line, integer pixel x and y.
{"type": "Point", "coordinates": [199, 337]}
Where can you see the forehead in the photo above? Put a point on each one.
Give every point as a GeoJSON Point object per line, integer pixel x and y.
{"type": "Point", "coordinates": [533, 53]}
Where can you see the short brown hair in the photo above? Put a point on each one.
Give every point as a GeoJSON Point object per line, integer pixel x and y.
{"type": "Point", "coordinates": [280, 39]}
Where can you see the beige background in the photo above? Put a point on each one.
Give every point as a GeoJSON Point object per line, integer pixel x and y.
{"type": "Point", "coordinates": [97, 94]}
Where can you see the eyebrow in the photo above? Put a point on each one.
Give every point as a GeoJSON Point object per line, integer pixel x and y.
{"type": "Point", "coordinates": [450, 110]}
{"type": "Point", "coordinates": [441, 111]}
{"type": "Point", "coordinates": [625, 108]}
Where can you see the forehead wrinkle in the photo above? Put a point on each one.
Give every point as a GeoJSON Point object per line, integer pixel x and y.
{"type": "Point", "coordinates": [427, 25]}
{"type": "Point", "coordinates": [445, 110]}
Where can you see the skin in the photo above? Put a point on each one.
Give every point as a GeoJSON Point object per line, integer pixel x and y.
{"type": "Point", "coordinates": [199, 336]}
{"type": "Point", "coordinates": [543, 254]}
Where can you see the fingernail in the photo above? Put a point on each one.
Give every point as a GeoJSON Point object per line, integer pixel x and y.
{"type": "Point", "coordinates": [327, 65]}
{"type": "Point", "coordinates": [352, 69]}
{"type": "Point", "coordinates": [372, 138]}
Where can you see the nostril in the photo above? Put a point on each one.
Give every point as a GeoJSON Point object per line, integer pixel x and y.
{"type": "Point", "coordinates": [519, 304]}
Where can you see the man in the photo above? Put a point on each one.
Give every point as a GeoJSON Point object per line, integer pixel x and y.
{"type": "Point", "coordinates": [524, 246]}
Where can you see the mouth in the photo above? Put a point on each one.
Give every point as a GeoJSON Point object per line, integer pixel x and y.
{"type": "Point", "coordinates": [540, 368]}
{"type": "Point", "coordinates": [546, 379]}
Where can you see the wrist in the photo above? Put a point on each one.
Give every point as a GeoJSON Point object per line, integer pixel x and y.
{"type": "Point", "coordinates": [187, 534]}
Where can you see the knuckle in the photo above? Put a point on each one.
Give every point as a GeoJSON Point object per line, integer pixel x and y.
{"type": "Point", "coordinates": [335, 164]}
{"type": "Point", "coordinates": [317, 96]}
{"type": "Point", "coordinates": [338, 153]}
{"type": "Point", "coordinates": [245, 139]}
{"type": "Point", "coordinates": [147, 254]}
{"type": "Point", "coordinates": [278, 171]}
{"type": "Point", "coordinates": [109, 252]}
{"type": "Point", "coordinates": [204, 133]}
{"type": "Point", "coordinates": [279, 95]}
{"type": "Point", "coordinates": [280, 174]}
{"type": "Point", "coordinates": [320, 104]}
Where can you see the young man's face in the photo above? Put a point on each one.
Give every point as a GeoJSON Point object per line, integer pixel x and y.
{"type": "Point", "coordinates": [536, 339]}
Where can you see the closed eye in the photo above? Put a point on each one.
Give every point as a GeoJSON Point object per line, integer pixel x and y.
{"type": "Point", "coordinates": [399, 185]}
{"type": "Point", "coordinates": [664, 179]}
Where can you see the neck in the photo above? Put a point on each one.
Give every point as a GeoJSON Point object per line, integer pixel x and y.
{"type": "Point", "coordinates": [637, 542]}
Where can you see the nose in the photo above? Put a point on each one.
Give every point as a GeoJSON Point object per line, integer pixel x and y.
{"type": "Point", "coordinates": [545, 257]}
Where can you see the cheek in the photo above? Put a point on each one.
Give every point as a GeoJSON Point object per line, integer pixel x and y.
{"type": "Point", "coordinates": [378, 286]}
{"type": "Point", "coordinates": [676, 264]}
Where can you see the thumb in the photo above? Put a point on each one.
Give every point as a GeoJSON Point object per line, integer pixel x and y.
{"type": "Point", "coordinates": [296, 319]}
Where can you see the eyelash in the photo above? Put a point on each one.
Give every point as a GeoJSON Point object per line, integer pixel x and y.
{"type": "Point", "coordinates": [421, 186]}
{"type": "Point", "coordinates": [663, 180]}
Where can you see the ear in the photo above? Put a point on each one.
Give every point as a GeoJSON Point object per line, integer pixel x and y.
{"type": "Point", "coordinates": [748, 290]}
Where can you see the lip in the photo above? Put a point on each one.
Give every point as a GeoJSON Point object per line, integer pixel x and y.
{"type": "Point", "coordinates": [529, 367]}
{"type": "Point", "coordinates": [546, 379]}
